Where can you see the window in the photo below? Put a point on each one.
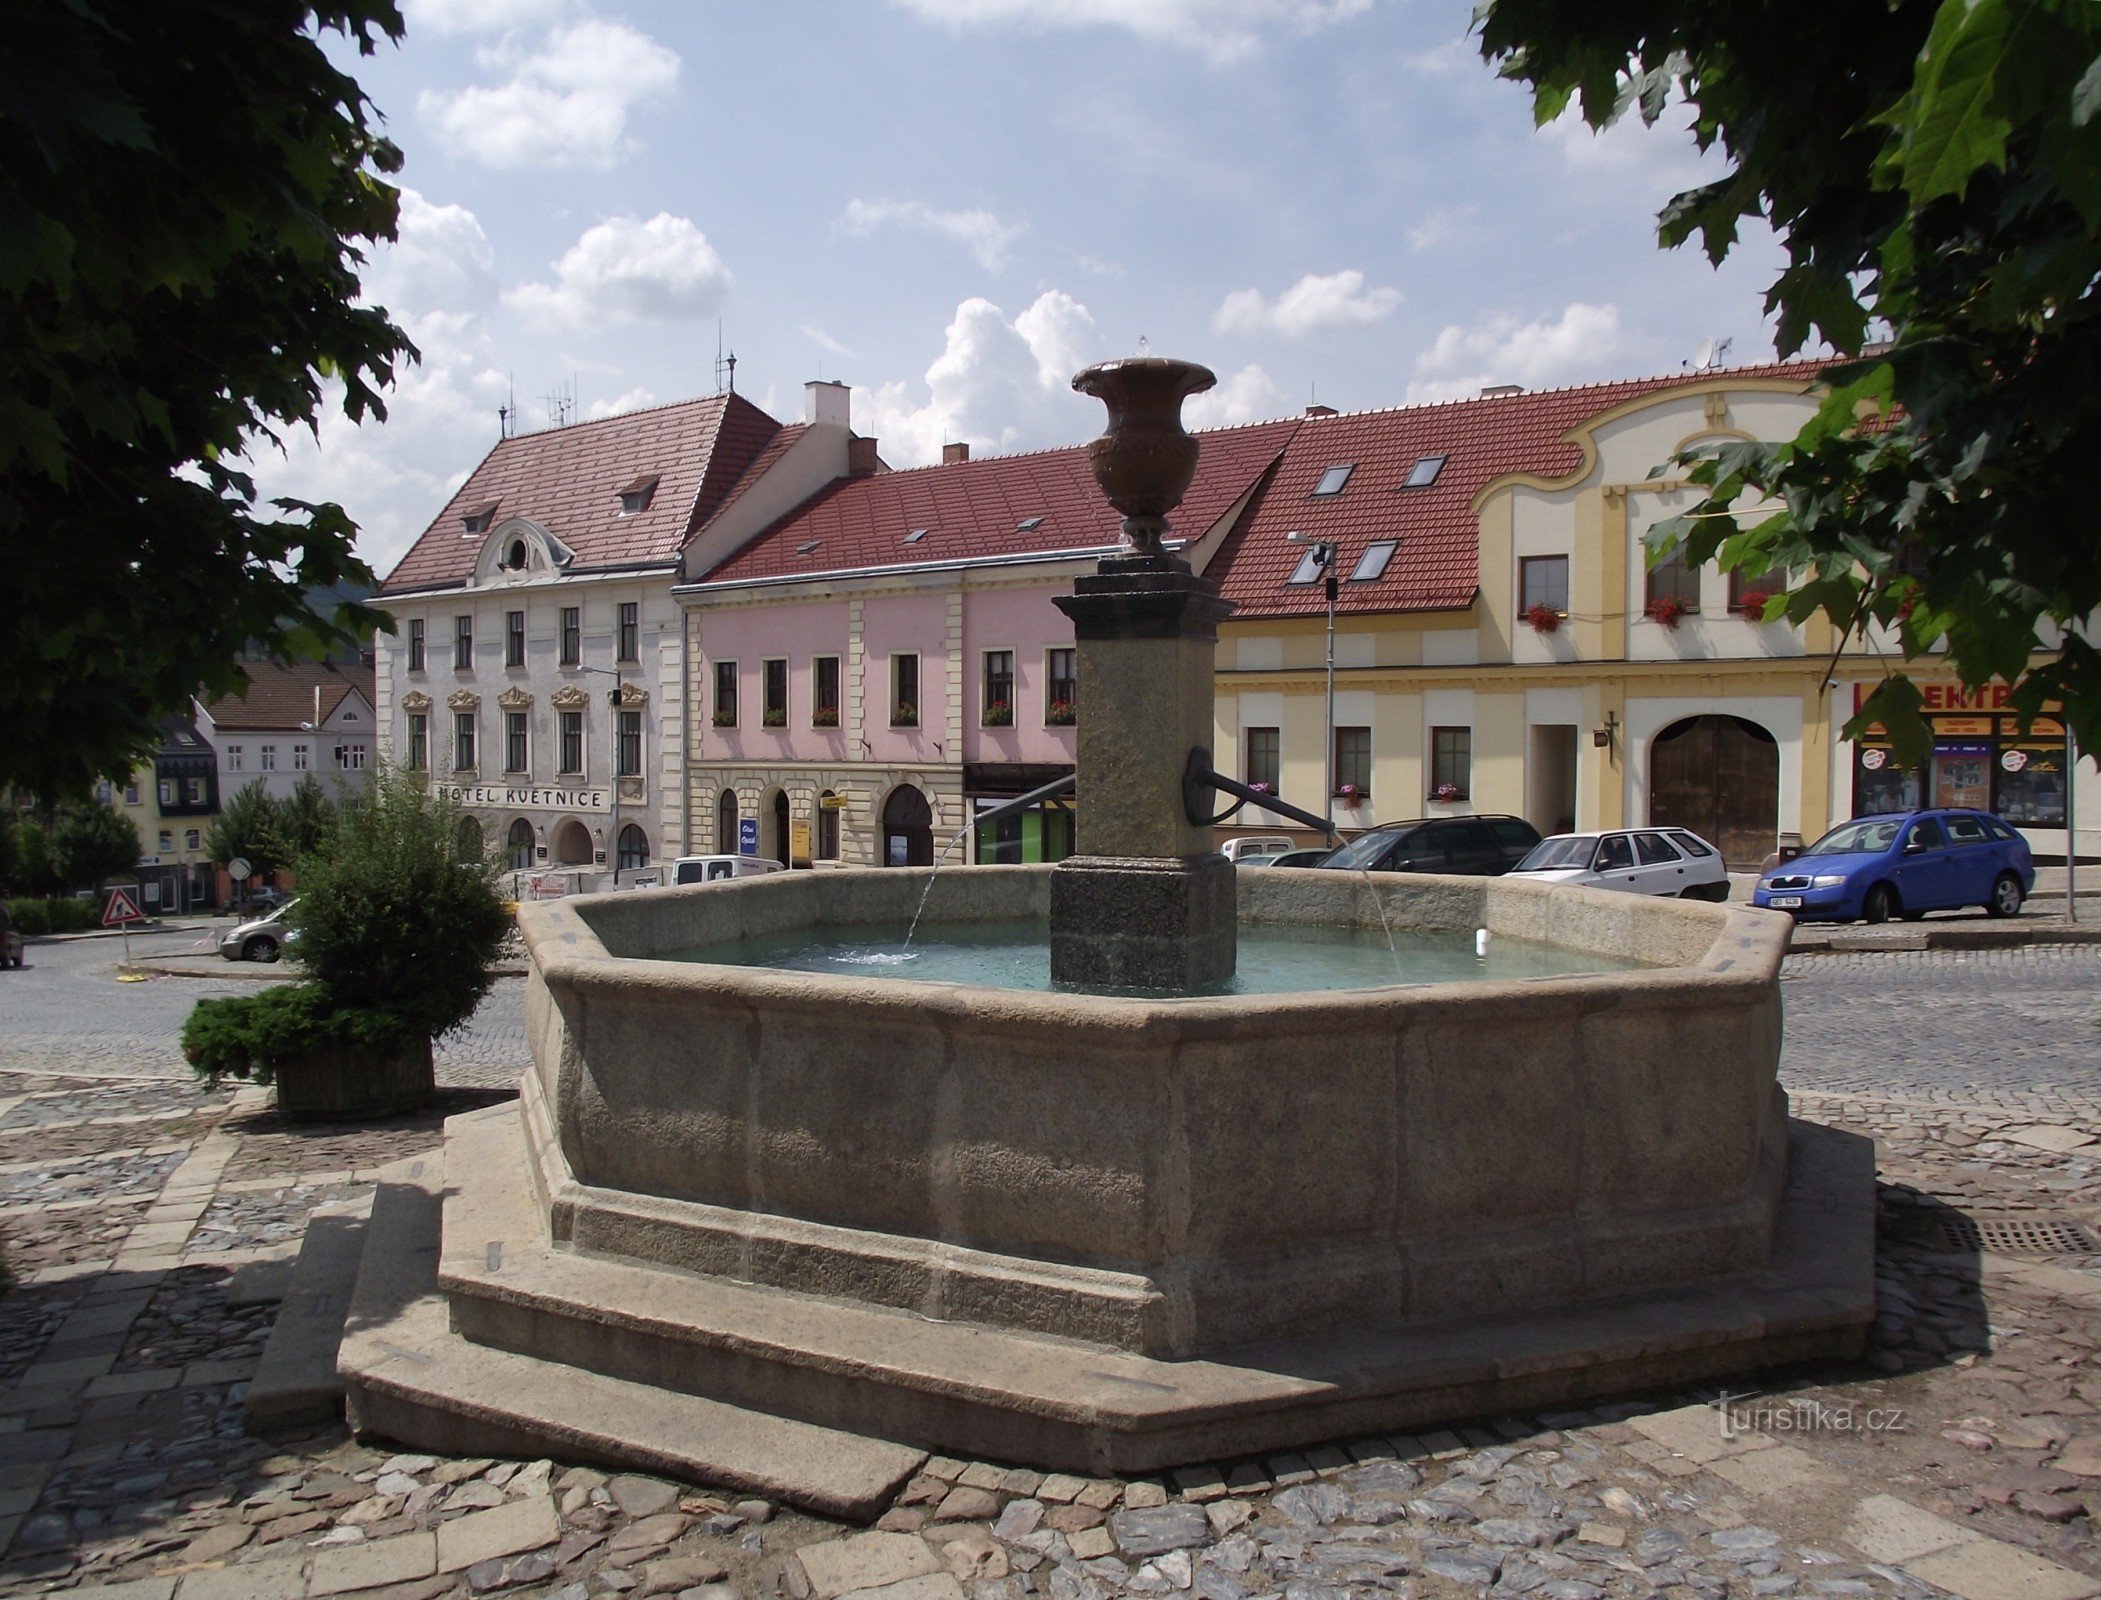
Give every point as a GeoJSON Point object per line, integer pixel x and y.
{"type": "Point", "coordinates": [516, 742]}
{"type": "Point", "coordinates": [1061, 703]}
{"type": "Point", "coordinates": [726, 822]}
{"type": "Point", "coordinates": [827, 827]}
{"type": "Point", "coordinates": [773, 693]}
{"type": "Point", "coordinates": [192, 838]}
{"type": "Point", "coordinates": [1265, 758]}
{"type": "Point", "coordinates": [167, 793]}
{"type": "Point", "coordinates": [1747, 595]}
{"type": "Point", "coordinates": [725, 694]}
{"type": "Point", "coordinates": [636, 496]}
{"type": "Point", "coordinates": [572, 730]}
{"type": "Point", "coordinates": [193, 791]}
{"type": "Point", "coordinates": [463, 741]}
{"type": "Point", "coordinates": [463, 644]}
{"type": "Point", "coordinates": [1654, 850]}
{"type": "Point", "coordinates": [824, 692]}
{"type": "Point", "coordinates": [1691, 845]}
{"type": "Point", "coordinates": [634, 848]}
{"type": "Point", "coordinates": [1542, 581]}
{"type": "Point", "coordinates": [299, 758]}
{"type": "Point", "coordinates": [1371, 566]}
{"type": "Point", "coordinates": [572, 635]}
{"type": "Point", "coordinates": [131, 794]}
{"type": "Point", "coordinates": [1451, 763]}
{"type": "Point", "coordinates": [234, 759]}
{"type": "Point", "coordinates": [1673, 586]}
{"type": "Point", "coordinates": [1332, 480]}
{"type": "Point", "coordinates": [350, 757]}
{"type": "Point", "coordinates": [904, 691]}
{"type": "Point", "coordinates": [478, 520]}
{"type": "Point", "coordinates": [630, 630]}
{"type": "Point", "coordinates": [415, 644]}
{"type": "Point", "coordinates": [915, 535]}
{"type": "Point", "coordinates": [1353, 760]}
{"type": "Point", "coordinates": [268, 758]}
{"type": "Point", "coordinates": [514, 638]}
{"type": "Point", "coordinates": [1310, 566]}
{"type": "Point", "coordinates": [167, 839]}
{"type": "Point", "coordinates": [1423, 473]}
{"type": "Point", "coordinates": [519, 845]}
{"type": "Point", "coordinates": [1028, 524]}
{"type": "Point", "coordinates": [419, 741]}
{"type": "Point", "coordinates": [631, 745]}
{"type": "Point", "coordinates": [514, 558]}
{"type": "Point", "coordinates": [998, 689]}
{"type": "Point", "coordinates": [1615, 854]}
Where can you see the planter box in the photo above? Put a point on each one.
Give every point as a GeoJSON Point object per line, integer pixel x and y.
{"type": "Point", "coordinates": [354, 1083]}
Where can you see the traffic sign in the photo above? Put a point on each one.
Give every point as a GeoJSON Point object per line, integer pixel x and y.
{"type": "Point", "coordinates": [237, 868]}
{"type": "Point", "coordinates": [747, 836]}
{"type": "Point", "coordinates": [122, 908]}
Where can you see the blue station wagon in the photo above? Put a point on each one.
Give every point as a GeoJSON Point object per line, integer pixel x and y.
{"type": "Point", "coordinates": [1903, 865]}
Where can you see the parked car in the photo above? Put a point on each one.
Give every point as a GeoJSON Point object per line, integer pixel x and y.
{"type": "Point", "coordinates": [717, 869]}
{"type": "Point", "coordinates": [1665, 861]}
{"type": "Point", "coordinates": [1903, 865]}
{"type": "Point", "coordinates": [1311, 855]}
{"type": "Point", "coordinates": [1256, 844]}
{"type": "Point", "coordinates": [10, 938]}
{"type": "Point", "coordinates": [263, 939]}
{"type": "Point", "coordinates": [1481, 846]}
{"type": "Point", "coordinates": [267, 898]}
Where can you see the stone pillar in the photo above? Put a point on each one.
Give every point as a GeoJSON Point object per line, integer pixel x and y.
{"type": "Point", "coordinates": [1147, 903]}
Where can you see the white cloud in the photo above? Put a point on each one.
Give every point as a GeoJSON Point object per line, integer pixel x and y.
{"type": "Point", "coordinates": [1224, 30]}
{"type": "Point", "coordinates": [999, 385]}
{"type": "Point", "coordinates": [1578, 346]}
{"type": "Point", "coordinates": [1442, 227]}
{"type": "Point", "coordinates": [1651, 161]}
{"type": "Point", "coordinates": [662, 270]}
{"type": "Point", "coordinates": [634, 400]}
{"type": "Point", "coordinates": [479, 16]}
{"type": "Point", "coordinates": [1315, 304]}
{"type": "Point", "coordinates": [565, 104]}
{"type": "Point", "coordinates": [823, 340]}
{"type": "Point", "coordinates": [1249, 395]}
{"type": "Point", "coordinates": [978, 231]}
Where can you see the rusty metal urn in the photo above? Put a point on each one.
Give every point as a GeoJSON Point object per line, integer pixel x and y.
{"type": "Point", "coordinates": [1145, 460]}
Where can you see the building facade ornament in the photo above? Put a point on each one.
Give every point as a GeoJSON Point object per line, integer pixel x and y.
{"type": "Point", "coordinates": [464, 700]}
{"type": "Point", "coordinates": [569, 698]}
{"type": "Point", "coordinates": [515, 699]}
{"type": "Point", "coordinates": [633, 695]}
{"type": "Point", "coordinates": [415, 700]}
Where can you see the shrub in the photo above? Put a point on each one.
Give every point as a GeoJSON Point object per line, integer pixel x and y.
{"type": "Point", "coordinates": [54, 916]}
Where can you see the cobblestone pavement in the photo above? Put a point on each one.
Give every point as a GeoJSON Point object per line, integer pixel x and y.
{"type": "Point", "coordinates": [149, 1219]}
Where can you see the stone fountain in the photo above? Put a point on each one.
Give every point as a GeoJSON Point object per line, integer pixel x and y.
{"type": "Point", "coordinates": [786, 1231]}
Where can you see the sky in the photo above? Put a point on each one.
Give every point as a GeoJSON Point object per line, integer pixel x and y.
{"type": "Point", "coordinates": [953, 205]}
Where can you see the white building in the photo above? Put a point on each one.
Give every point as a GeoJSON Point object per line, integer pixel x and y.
{"type": "Point", "coordinates": [308, 718]}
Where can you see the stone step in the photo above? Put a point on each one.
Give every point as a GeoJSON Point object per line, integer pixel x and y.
{"type": "Point", "coordinates": [410, 1378]}
{"type": "Point", "coordinates": [1003, 1394]}
{"type": "Point", "coordinates": [296, 1385]}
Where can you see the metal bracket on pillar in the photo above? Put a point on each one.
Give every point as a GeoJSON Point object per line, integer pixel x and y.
{"type": "Point", "coordinates": [1200, 782]}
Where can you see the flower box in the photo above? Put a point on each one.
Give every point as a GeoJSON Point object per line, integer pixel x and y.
{"type": "Point", "coordinates": [1751, 607]}
{"type": "Point", "coordinates": [1447, 793]}
{"type": "Point", "coordinates": [1351, 794]}
{"type": "Point", "coordinates": [904, 716]}
{"type": "Point", "coordinates": [825, 717]}
{"type": "Point", "coordinates": [1543, 619]}
{"type": "Point", "coordinates": [1668, 609]}
{"type": "Point", "coordinates": [725, 719]}
{"type": "Point", "coordinates": [1000, 714]}
{"type": "Point", "coordinates": [1061, 714]}
{"type": "Point", "coordinates": [774, 717]}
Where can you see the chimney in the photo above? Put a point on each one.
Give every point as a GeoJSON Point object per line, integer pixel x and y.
{"type": "Point", "coordinates": [1318, 410]}
{"type": "Point", "coordinates": [952, 454]}
{"type": "Point", "coordinates": [860, 456]}
{"type": "Point", "coordinates": [1496, 391]}
{"type": "Point", "coordinates": [825, 402]}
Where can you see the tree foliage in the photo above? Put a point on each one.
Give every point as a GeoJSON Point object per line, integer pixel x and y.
{"type": "Point", "coordinates": [184, 187]}
{"type": "Point", "coordinates": [247, 828]}
{"type": "Point", "coordinates": [304, 821]}
{"type": "Point", "coordinates": [90, 842]}
{"type": "Point", "coordinates": [1933, 168]}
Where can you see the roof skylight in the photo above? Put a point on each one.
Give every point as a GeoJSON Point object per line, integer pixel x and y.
{"type": "Point", "coordinates": [915, 535]}
{"type": "Point", "coordinates": [1423, 473]}
{"type": "Point", "coordinates": [1028, 524]}
{"type": "Point", "coordinates": [1332, 480]}
{"type": "Point", "coordinates": [807, 546]}
{"type": "Point", "coordinates": [1308, 569]}
{"type": "Point", "coordinates": [1371, 566]}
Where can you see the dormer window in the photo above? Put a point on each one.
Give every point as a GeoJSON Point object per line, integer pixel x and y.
{"type": "Point", "coordinates": [1423, 473]}
{"type": "Point", "coordinates": [514, 557]}
{"type": "Point", "coordinates": [1332, 480]}
{"type": "Point", "coordinates": [478, 520]}
{"type": "Point", "coordinates": [636, 496]}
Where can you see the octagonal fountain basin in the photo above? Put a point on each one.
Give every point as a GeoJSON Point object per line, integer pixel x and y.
{"type": "Point", "coordinates": [788, 1229]}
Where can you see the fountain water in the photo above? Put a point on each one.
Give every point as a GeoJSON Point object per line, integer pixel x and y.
{"type": "Point", "coordinates": [1149, 1229]}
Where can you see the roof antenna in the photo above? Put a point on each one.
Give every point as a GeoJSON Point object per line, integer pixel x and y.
{"type": "Point", "coordinates": [507, 415]}
{"type": "Point", "coordinates": [725, 365]}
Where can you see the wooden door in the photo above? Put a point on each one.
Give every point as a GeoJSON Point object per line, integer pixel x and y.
{"type": "Point", "coordinates": [1720, 777]}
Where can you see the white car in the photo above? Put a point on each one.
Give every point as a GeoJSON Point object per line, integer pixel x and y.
{"type": "Point", "coordinates": [1248, 846]}
{"type": "Point", "coordinates": [1665, 861]}
{"type": "Point", "coordinates": [716, 869]}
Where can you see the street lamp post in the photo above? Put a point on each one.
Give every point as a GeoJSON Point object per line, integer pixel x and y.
{"type": "Point", "coordinates": [614, 698]}
{"type": "Point", "coordinates": [1322, 553]}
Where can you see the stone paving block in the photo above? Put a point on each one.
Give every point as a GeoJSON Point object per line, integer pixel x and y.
{"type": "Point", "coordinates": [1781, 1473]}
{"type": "Point", "coordinates": [1986, 1569]}
{"type": "Point", "coordinates": [1695, 1432]}
{"type": "Point", "coordinates": [1060, 1489]}
{"type": "Point", "coordinates": [933, 1586]}
{"type": "Point", "coordinates": [504, 1531]}
{"type": "Point", "coordinates": [1890, 1530]}
{"type": "Point", "coordinates": [114, 1383]}
{"type": "Point", "coordinates": [2046, 1136]}
{"type": "Point", "coordinates": [133, 1589]}
{"type": "Point", "coordinates": [257, 1580]}
{"type": "Point", "coordinates": [866, 1561]}
{"type": "Point", "coordinates": [368, 1566]}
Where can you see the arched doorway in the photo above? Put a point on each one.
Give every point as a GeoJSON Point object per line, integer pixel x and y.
{"type": "Point", "coordinates": [827, 827]}
{"type": "Point", "coordinates": [781, 832]}
{"type": "Point", "coordinates": [908, 829]}
{"type": "Point", "coordinates": [726, 823]}
{"type": "Point", "coordinates": [572, 844]}
{"type": "Point", "coordinates": [1720, 777]}
{"type": "Point", "coordinates": [467, 839]}
{"type": "Point", "coordinates": [634, 848]}
{"type": "Point", "coordinates": [519, 844]}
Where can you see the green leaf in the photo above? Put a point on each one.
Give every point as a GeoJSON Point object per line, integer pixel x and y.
{"type": "Point", "coordinates": [2086, 94]}
{"type": "Point", "coordinates": [1950, 126]}
{"type": "Point", "coordinates": [1895, 704]}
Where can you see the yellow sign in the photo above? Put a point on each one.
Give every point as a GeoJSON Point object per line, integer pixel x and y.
{"type": "Point", "coordinates": [799, 840]}
{"type": "Point", "coordinates": [831, 802]}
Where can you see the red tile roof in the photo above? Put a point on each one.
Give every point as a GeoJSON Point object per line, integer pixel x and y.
{"type": "Point", "coordinates": [1436, 565]}
{"type": "Point", "coordinates": [974, 509]}
{"type": "Point", "coordinates": [281, 696]}
{"type": "Point", "coordinates": [568, 480]}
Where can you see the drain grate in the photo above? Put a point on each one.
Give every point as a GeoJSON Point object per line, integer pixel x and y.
{"type": "Point", "coordinates": [2019, 1236]}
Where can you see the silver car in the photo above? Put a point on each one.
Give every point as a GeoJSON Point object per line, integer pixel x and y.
{"type": "Point", "coordinates": [1663, 861]}
{"type": "Point", "coordinates": [264, 939]}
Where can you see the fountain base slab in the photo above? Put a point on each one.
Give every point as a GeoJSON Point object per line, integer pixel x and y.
{"type": "Point", "coordinates": [1146, 924]}
{"type": "Point", "coordinates": [560, 1323]}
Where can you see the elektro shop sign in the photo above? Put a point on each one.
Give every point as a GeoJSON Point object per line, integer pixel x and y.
{"type": "Point", "coordinates": [503, 797]}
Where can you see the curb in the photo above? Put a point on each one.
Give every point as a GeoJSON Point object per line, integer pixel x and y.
{"type": "Point", "coordinates": [1949, 938]}
{"type": "Point", "coordinates": [255, 971]}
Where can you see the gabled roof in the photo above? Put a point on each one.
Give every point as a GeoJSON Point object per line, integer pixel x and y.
{"type": "Point", "coordinates": [281, 696]}
{"type": "Point", "coordinates": [1436, 566]}
{"type": "Point", "coordinates": [569, 480]}
{"type": "Point", "coordinates": [972, 510]}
